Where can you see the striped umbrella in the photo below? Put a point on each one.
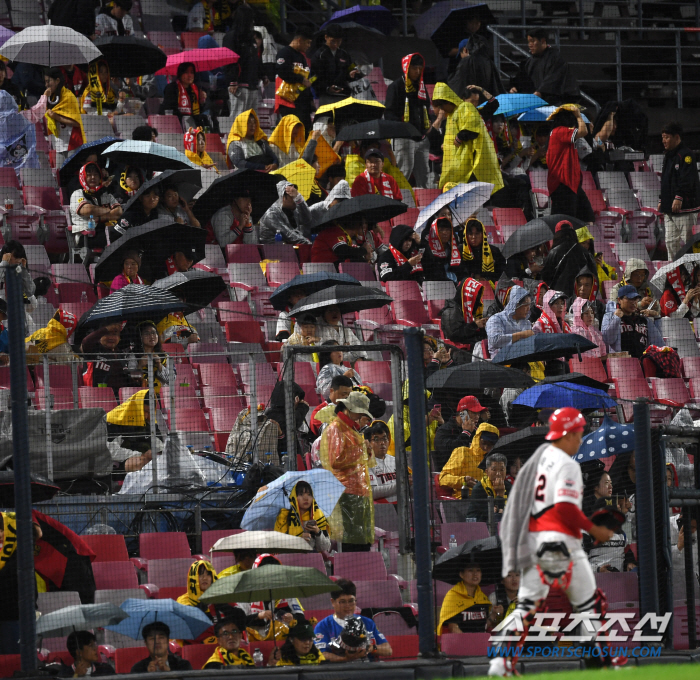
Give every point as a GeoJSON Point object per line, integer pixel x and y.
{"type": "Point", "coordinates": [132, 303]}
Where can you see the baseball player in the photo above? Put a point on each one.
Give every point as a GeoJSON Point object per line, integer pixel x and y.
{"type": "Point", "coordinates": [541, 531]}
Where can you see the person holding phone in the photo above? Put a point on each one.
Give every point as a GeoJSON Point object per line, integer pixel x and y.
{"type": "Point", "coordinates": [304, 518]}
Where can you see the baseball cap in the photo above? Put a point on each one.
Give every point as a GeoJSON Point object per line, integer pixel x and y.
{"type": "Point", "coordinates": [470, 404]}
{"type": "Point", "coordinates": [564, 224]}
{"type": "Point", "coordinates": [374, 152]}
{"type": "Point", "coordinates": [628, 292]}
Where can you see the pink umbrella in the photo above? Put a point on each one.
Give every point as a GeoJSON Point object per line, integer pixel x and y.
{"type": "Point", "coordinates": [203, 60]}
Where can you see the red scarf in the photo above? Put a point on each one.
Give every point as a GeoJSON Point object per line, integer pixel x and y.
{"type": "Point", "coordinates": [379, 186]}
{"type": "Point", "coordinates": [348, 421]}
{"type": "Point", "coordinates": [472, 292]}
{"type": "Point", "coordinates": [190, 140]}
{"type": "Point", "coordinates": [537, 294]}
{"type": "Point", "coordinates": [170, 265]}
{"type": "Point", "coordinates": [401, 260]}
{"type": "Point", "coordinates": [82, 177]}
{"type": "Point", "coordinates": [405, 63]}
{"type": "Point", "coordinates": [437, 249]}
{"type": "Point", "coordinates": [676, 281]}
{"type": "Point", "coordinates": [186, 105]}
{"type": "Point", "coordinates": [552, 326]}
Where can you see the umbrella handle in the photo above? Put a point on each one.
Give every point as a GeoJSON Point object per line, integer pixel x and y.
{"type": "Point", "coordinates": [578, 352]}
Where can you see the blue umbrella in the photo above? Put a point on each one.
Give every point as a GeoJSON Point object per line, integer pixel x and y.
{"type": "Point", "coordinates": [185, 623]}
{"type": "Point", "coordinates": [372, 16]}
{"type": "Point", "coordinates": [513, 104]}
{"type": "Point", "coordinates": [148, 156]}
{"type": "Point", "coordinates": [265, 507]}
{"type": "Point", "coordinates": [540, 114]}
{"type": "Point", "coordinates": [609, 439]}
{"type": "Point", "coordinates": [558, 395]}
{"type": "Point", "coordinates": [76, 161]}
{"type": "Point", "coordinates": [544, 347]}
{"type": "Point", "coordinates": [311, 283]}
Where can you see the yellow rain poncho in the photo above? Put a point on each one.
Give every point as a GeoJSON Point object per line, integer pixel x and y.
{"type": "Point", "coordinates": [131, 412]}
{"type": "Point", "coordinates": [46, 340]}
{"type": "Point", "coordinates": [605, 271]}
{"type": "Point", "coordinates": [285, 134]}
{"type": "Point", "coordinates": [345, 453]}
{"type": "Point", "coordinates": [194, 592]}
{"type": "Point", "coordinates": [67, 106]}
{"type": "Point", "coordinates": [464, 462]}
{"type": "Point", "coordinates": [239, 128]}
{"type": "Point", "coordinates": [292, 521]}
{"type": "Point", "coordinates": [457, 600]}
{"type": "Point", "coordinates": [355, 165]}
{"type": "Point", "coordinates": [94, 92]}
{"type": "Point", "coordinates": [325, 155]}
{"type": "Point", "coordinates": [476, 157]}
{"type": "Point", "coordinates": [432, 428]}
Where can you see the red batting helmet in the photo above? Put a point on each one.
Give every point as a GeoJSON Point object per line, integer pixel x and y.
{"type": "Point", "coordinates": [563, 421]}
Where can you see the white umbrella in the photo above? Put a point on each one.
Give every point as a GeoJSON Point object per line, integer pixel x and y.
{"type": "Point", "coordinates": [659, 279]}
{"type": "Point", "coordinates": [464, 200]}
{"type": "Point", "coordinates": [263, 541]}
{"type": "Point", "coordinates": [50, 46]}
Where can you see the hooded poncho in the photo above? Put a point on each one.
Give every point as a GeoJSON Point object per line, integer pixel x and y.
{"type": "Point", "coordinates": [590, 332]}
{"type": "Point", "coordinates": [548, 321]}
{"type": "Point", "coordinates": [190, 142]}
{"type": "Point", "coordinates": [289, 139]}
{"type": "Point", "coordinates": [239, 130]}
{"type": "Point", "coordinates": [66, 105]}
{"type": "Point", "coordinates": [501, 327]}
{"type": "Point", "coordinates": [17, 136]}
{"type": "Point", "coordinates": [194, 592]}
{"type": "Point", "coordinates": [292, 521]}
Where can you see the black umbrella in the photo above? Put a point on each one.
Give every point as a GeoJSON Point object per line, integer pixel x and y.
{"type": "Point", "coordinates": [347, 298]}
{"type": "Point", "coordinates": [577, 379]}
{"type": "Point", "coordinates": [485, 552]}
{"type": "Point", "coordinates": [478, 376]}
{"type": "Point", "coordinates": [198, 288]}
{"type": "Point", "coordinates": [378, 129]}
{"type": "Point", "coordinates": [373, 207]}
{"type": "Point", "coordinates": [129, 56]}
{"type": "Point", "coordinates": [544, 347]}
{"type": "Point", "coordinates": [261, 186]}
{"type": "Point", "coordinates": [188, 183]}
{"type": "Point", "coordinates": [42, 489]}
{"type": "Point", "coordinates": [553, 220]}
{"type": "Point", "coordinates": [76, 161]}
{"type": "Point", "coordinates": [530, 235]}
{"type": "Point", "coordinates": [445, 23]}
{"type": "Point", "coordinates": [521, 443]}
{"type": "Point", "coordinates": [148, 156]}
{"type": "Point", "coordinates": [156, 240]}
{"type": "Point", "coordinates": [309, 283]}
{"type": "Point", "coordinates": [132, 303]}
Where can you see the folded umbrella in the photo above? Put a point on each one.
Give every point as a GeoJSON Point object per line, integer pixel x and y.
{"type": "Point", "coordinates": [350, 110]}
{"type": "Point", "coordinates": [67, 620]}
{"type": "Point", "coordinates": [188, 183]}
{"type": "Point", "coordinates": [514, 104]}
{"type": "Point", "coordinates": [73, 163]}
{"type": "Point", "coordinates": [659, 279]}
{"type": "Point", "coordinates": [131, 303]}
{"type": "Point", "coordinates": [477, 376]}
{"type": "Point", "coordinates": [262, 541]}
{"type": "Point", "coordinates": [129, 56]}
{"type": "Point", "coordinates": [273, 497]}
{"type": "Point", "coordinates": [468, 198]}
{"type": "Point", "coordinates": [309, 283]}
{"type": "Point", "coordinates": [540, 114]}
{"type": "Point", "coordinates": [609, 439]}
{"type": "Point", "coordinates": [486, 552]}
{"type": "Point", "coordinates": [530, 235]}
{"type": "Point", "coordinates": [266, 583]}
{"type": "Point", "coordinates": [203, 60]}
{"type": "Point", "coordinates": [558, 395]}
{"type": "Point", "coordinates": [148, 156]}
{"type": "Point", "coordinates": [42, 488]}
{"type": "Point", "coordinates": [185, 623]}
{"type": "Point", "coordinates": [346, 298]}
{"type": "Point", "coordinates": [50, 46]}
{"type": "Point", "coordinates": [371, 16]}
{"type": "Point", "coordinates": [544, 347]}
{"type": "Point", "coordinates": [262, 188]}
{"type": "Point", "coordinates": [156, 240]}
{"type": "Point", "coordinates": [373, 207]}
{"type": "Point", "coordinates": [198, 288]}
{"type": "Point", "coordinates": [378, 129]}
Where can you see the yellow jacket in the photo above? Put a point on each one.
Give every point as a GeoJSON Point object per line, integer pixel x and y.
{"type": "Point", "coordinates": [476, 157]}
{"type": "Point", "coordinates": [464, 462]}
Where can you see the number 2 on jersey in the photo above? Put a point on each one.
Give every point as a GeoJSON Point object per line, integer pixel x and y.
{"type": "Point", "coordinates": [539, 491]}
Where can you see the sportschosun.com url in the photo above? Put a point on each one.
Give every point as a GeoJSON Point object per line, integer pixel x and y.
{"type": "Point", "coordinates": [574, 652]}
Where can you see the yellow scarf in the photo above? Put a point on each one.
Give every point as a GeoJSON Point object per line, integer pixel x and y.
{"type": "Point", "coordinates": [194, 592]}
{"type": "Point", "coordinates": [457, 600]}
{"type": "Point", "coordinates": [50, 337]}
{"type": "Point", "coordinates": [283, 135]}
{"type": "Point", "coordinates": [238, 658]}
{"type": "Point", "coordinates": [203, 160]}
{"type": "Point", "coordinates": [9, 539]}
{"type": "Point", "coordinates": [131, 412]}
{"type": "Point", "coordinates": [239, 128]}
{"type": "Point", "coordinates": [486, 254]}
{"type": "Point", "coordinates": [488, 488]}
{"type": "Point", "coordinates": [96, 90]}
{"type": "Point", "coordinates": [291, 521]}
{"type": "Point", "coordinates": [67, 106]}
{"type": "Point", "coordinates": [307, 659]}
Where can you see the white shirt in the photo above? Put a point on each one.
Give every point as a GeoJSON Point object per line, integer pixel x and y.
{"type": "Point", "coordinates": [342, 335]}
{"type": "Point", "coordinates": [221, 223]}
{"type": "Point", "coordinates": [382, 477]}
{"type": "Point", "coordinates": [81, 222]}
{"type": "Point", "coordinates": [106, 24]}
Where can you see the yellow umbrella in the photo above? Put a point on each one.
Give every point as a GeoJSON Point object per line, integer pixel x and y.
{"type": "Point", "coordinates": [300, 173]}
{"type": "Point", "coordinates": [351, 109]}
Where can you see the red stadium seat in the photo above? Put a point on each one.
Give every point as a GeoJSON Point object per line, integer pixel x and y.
{"type": "Point", "coordinates": [166, 124]}
{"type": "Point", "coordinates": [242, 253]}
{"type": "Point", "coordinates": [364, 566]}
{"type": "Point", "coordinates": [410, 312]}
{"type": "Point", "coordinates": [97, 397]}
{"type": "Point", "coordinates": [509, 216]}
{"type": "Point", "coordinates": [670, 391]}
{"type": "Point", "coordinates": [214, 374]}
{"type": "Point", "coordinates": [403, 647]}
{"type": "Point", "coordinates": [107, 547]}
{"type": "Point", "coordinates": [43, 197]}
{"type": "Point", "coordinates": [403, 290]}
{"type": "Point", "coordinates": [76, 292]}
{"type": "Point", "coordinates": [590, 366]}
{"type": "Point", "coordinates": [464, 644]}
{"type": "Point", "coordinates": [463, 532]}
{"type": "Point", "coordinates": [425, 197]}
{"type": "Point", "coordinates": [164, 545]}
{"type": "Point", "coordinates": [8, 178]}
{"type": "Point", "coordinates": [362, 271]}
{"type": "Point", "coordinates": [126, 657]}
{"type": "Point", "coordinates": [190, 39]}
{"type": "Point", "coordinates": [197, 655]}
{"type": "Point", "coordinates": [114, 575]}
{"type": "Point", "coordinates": [209, 538]}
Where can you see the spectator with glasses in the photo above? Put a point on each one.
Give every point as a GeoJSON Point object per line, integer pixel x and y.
{"type": "Point", "coordinates": [382, 476]}
{"type": "Point", "coordinates": [229, 632]}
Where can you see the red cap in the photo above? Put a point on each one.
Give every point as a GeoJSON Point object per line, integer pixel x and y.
{"type": "Point", "coordinates": [470, 404]}
{"type": "Point", "coordinates": [563, 421]}
{"type": "Point", "coordinates": [561, 225]}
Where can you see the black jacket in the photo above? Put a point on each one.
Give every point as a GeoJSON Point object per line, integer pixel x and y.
{"type": "Point", "coordinates": [332, 69]}
{"type": "Point", "coordinates": [564, 262]}
{"type": "Point", "coordinates": [247, 70]}
{"type": "Point", "coordinates": [98, 669]}
{"type": "Point", "coordinates": [679, 179]}
{"type": "Point", "coordinates": [175, 663]}
{"type": "Point", "coordinates": [476, 69]}
{"type": "Point", "coordinates": [417, 108]}
{"type": "Point", "coordinates": [287, 57]}
{"type": "Point", "coordinates": [386, 263]}
{"type": "Point", "coordinates": [434, 267]}
{"type": "Point", "coordinates": [473, 267]}
{"type": "Point", "coordinates": [478, 506]}
{"type": "Point", "coordinates": [452, 321]}
{"type": "Point", "coordinates": [448, 437]}
{"type": "Point", "coordinates": [549, 75]}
